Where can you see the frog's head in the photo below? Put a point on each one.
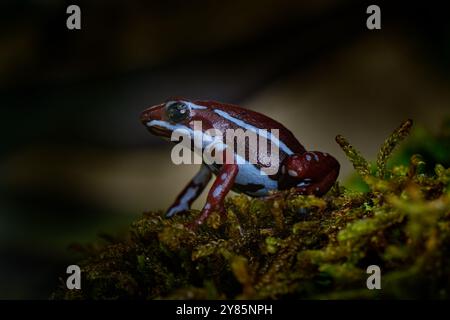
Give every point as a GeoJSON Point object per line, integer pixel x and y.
{"type": "Point", "coordinates": [178, 114]}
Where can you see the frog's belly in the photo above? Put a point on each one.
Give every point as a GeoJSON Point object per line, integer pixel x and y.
{"type": "Point", "coordinates": [249, 180]}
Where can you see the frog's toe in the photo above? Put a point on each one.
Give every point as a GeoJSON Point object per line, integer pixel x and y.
{"type": "Point", "coordinates": [176, 210]}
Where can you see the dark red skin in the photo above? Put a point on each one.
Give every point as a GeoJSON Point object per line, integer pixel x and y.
{"type": "Point", "coordinates": [304, 172]}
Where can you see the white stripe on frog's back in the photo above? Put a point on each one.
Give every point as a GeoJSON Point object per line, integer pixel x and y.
{"type": "Point", "coordinates": [194, 106]}
{"type": "Point", "coordinates": [258, 131]}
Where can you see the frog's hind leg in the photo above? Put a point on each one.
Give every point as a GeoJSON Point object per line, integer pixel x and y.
{"type": "Point", "coordinates": [191, 192]}
{"type": "Point", "coordinates": [312, 172]}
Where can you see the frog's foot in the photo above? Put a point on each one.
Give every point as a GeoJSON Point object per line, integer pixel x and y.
{"type": "Point", "coordinates": [206, 212]}
{"type": "Point", "coordinates": [191, 192]}
{"type": "Point", "coordinates": [312, 172]}
{"type": "Point", "coordinates": [176, 209]}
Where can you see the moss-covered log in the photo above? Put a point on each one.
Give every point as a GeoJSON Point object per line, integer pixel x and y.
{"type": "Point", "coordinates": [291, 246]}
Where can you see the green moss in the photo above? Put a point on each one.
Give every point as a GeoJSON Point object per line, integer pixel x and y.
{"type": "Point", "coordinates": [292, 246]}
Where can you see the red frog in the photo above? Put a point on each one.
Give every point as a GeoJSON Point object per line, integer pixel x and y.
{"type": "Point", "coordinates": [307, 172]}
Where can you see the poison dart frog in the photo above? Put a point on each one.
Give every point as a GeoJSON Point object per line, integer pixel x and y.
{"type": "Point", "coordinates": [306, 172]}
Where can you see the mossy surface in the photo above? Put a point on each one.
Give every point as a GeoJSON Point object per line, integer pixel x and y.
{"type": "Point", "coordinates": [293, 246]}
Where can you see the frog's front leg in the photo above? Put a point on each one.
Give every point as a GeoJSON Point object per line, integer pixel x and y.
{"type": "Point", "coordinates": [220, 188]}
{"type": "Point", "coordinates": [191, 192]}
{"type": "Point", "coordinates": [312, 172]}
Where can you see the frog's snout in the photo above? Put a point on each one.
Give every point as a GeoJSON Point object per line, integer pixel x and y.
{"type": "Point", "coordinates": [145, 116]}
{"type": "Point", "coordinates": [152, 113]}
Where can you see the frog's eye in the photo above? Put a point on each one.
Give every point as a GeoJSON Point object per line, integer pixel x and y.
{"type": "Point", "coordinates": [177, 111]}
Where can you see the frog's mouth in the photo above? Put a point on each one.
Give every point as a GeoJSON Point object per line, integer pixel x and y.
{"type": "Point", "coordinates": [159, 131]}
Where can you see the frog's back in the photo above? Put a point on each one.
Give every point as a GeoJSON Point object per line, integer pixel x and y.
{"type": "Point", "coordinates": [249, 119]}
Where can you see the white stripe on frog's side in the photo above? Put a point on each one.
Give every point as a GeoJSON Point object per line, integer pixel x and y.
{"type": "Point", "coordinates": [205, 138]}
{"type": "Point", "coordinates": [165, 124]}
{"type": "Point", "coordinates": [258, 131]}
{"type": "Point", "coordinates": [248, 173]}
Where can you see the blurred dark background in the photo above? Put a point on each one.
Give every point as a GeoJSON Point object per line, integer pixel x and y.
{"type": "Point", "coordinates": [75, 162]}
